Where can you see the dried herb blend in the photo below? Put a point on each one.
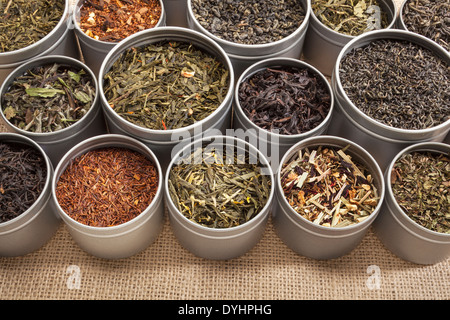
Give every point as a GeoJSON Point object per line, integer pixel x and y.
{"type": "Point", "coordinates": [217, 193]}
{"type": "Point", "coordinates": [249, 22]}
{"type": "Point", "coordinates": [113, 20]}
{"type": "Point", "coordinates": [429, 18]}
{"type": "Point", "coordinates": [25, 22]}
{"type": "Point", "coordinates": [107, 186]}
{"type": "Point", "coordinates": [421, 186]}
{"type": "Point", "coordinates": [285, 100]}
{"type": "Point", "coordinates": [397, 83]}
{"type": "Point", "coordinates": [166, 85]}
{"type": "Point", "coordinates": [325, 186]}
{"type": "Point", "coordinates": [350, 17]}
{"type": "Point", "coordinates": [23, 173]}
{"type": "Point", "coordinates": [48, 98]}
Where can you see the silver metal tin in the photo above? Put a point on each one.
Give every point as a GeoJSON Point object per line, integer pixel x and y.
{"type": "Point", "coordinates": [176, 13]}
{"type": "Point", "coordinates": [60, 41]}
{"type": "Point", "coordinates": [57, 143]}
{"type": "Point", "coordinates": [277, 143]}
{"type": "Point", "coordinates": [211, 243]}
{"type": "Point", "coordinates": [323, 45]}
{"type": "Point", "coordinates": [94, 51]}
{"type": "Point", "coordinates": [165, 143]}
{"type": "Point", "coordinates": [399, 233]}
{"type": "Point", "coordinates": [123, 240]}
{"type": "Point", "coordinates": [36, 226]}
{"type": "Point", "coordinates": [242, 55]}
{"type": "Point", "coordinates": [316, 241]}
{"type": "Point", "coordinates": [382, 141]}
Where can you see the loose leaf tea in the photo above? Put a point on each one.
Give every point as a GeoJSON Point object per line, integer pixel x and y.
{"type": "Point", "coordinates": [286, 100]}
{"type": "Point", "coordinates": [218, 193]}
{"type": "Point", "coordinates": [397, 83]}
{"type": "Point", "coordinates": [25, 22]}
{"type": "Point", "coordinates": [429, 18]}
{"type": "Point", "coordinates": [249, 22]}
{"type": "Point", "coordinates": [48, 98]}
{"type": "Point", "coordinates": [166, 85]}
{"type": "Point", "coordinates": [113, 20]}
{"type": "Point", "coordinates": [421, 186]}
{"type": "Point", "coordinates": [107, 186]}
{"type": "Point", "coordinates": [23, 173]}
{"type": "Point", "coordinates": [325, 186]}
{"type": "Point", "coordinates": [350, 17]}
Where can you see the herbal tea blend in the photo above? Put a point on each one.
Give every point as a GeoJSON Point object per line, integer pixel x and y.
{"type": "Point", "coordinates": [429, 18]}
{"type": "Point", "coordinates": [217, 193]}
{"type": "Point", "coordinates": [23, 173]}
{"type": "Point", "coordinates": [325, 186]}
{"type": "Point", "coordinates": [166, 85]}
{"type": "Point", "coordinates": [107, 186]}
{"type": "Point", "coordinates": [25, 22]}
{"type": "Point", "coordinates": [112, 21]}
{"type": "Point", "coordinates": [286, 100]}
{"type": "Point", "coordinates": [397, 83]}
{"type": "Point", "coordinates": [249, 22]}
{"type": "Point", "coordinates": [421, 186]}
{"type": "Point", "coordinates": [48, 98]}
{"type": "Point", "coordinates": [350, 17]}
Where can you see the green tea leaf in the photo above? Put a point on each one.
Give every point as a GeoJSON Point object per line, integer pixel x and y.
{"type": "Point", "coordinates": [82, 96]}
{"type": "Point", "coordinates": [74, 76]}
{"type": "Point", "coordinates": [43, 92]}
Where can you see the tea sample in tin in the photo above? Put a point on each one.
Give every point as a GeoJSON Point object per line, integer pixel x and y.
{"type": "Point", "coordinates": [48, 98]}
{"type": "Point", "coordinates": [24, 22]}
{"type": "Point", "coordinates": [328, 188]}
{"type": "Point", "coordinates": [218, 190]}
{"type": "Point", "coordinates": [429, 18]}
{"type": "Point", "coordinates": [23, 173]}
{"type": "Point", "coordinates": [350, 17]}
{"type": "Point", "coordinates": [166, 85]}
{"type": "Point", "coordinates": [249, 22]}
{"type": "Point", "coordinates": [397, 83]}
{"type": "Point", "coordinates": [285, 100]}
{"type": "Point", "coordinates": [421, 186]}
{"type": "Point", "coordinates": [112, 21]}
{"type": "Point", "coordinates": [107, 186]}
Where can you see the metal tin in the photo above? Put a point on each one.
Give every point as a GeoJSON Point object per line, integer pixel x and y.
{"type": "Point", "coordinates": [123, 240]}
{"type": "Point", "coordinates": [274, 145]}
{"type": "Point", "coordinates": [36, 226]}
{"type": "Point", "coordinates": [316, 241]}
{"type": "Point", "coordinates": [242, 55]}
{"type": "Point", "coordinates": [165, 143]}
{"type": "Point", "coordinates": [176, 13]}
{"type": "Point", "coordinates": [382, 141]}
{"type": "Point", "coordinates": [399, 233]}
{"type": "Point", "coordinates": [215, 243]}
{"type": "Point", "coordinates": [57, 143]}
{"type": "Point", "coordinates": [323, 45]}
{"type": "Point", "coordinates": [94, 51]}
{"type": "Point", "coordinates": [60, 41]}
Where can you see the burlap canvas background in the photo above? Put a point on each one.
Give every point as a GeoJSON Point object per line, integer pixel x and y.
{"type": "Point", "coordinates": [165, 270]}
